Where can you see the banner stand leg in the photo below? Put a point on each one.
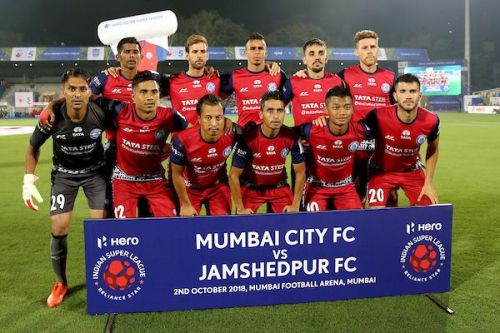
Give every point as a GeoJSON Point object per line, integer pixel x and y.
{"type": "Point", "coordinates": [110, 322]}
{"type": "Point", "coordinates": [440, 304]}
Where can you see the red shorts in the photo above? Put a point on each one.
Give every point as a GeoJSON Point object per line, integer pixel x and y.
{"type": "Point", "coordinates": [344, 197]}
{"type": "Point", "coordinates": [156, 192]}
{"type": "Point", "coordinates": [380, 185]}
{"type": "Point", "coordinates": [278, 198]}
{"type": "Point", "coordinates": [217, 199]}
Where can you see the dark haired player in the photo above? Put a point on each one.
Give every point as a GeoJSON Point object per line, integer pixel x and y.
{"type": "Point", "coordinates": [198, 161]}
{"type": "Point", "coordinates": [141, 139]}
{"type": "Point", "coordinates": [78, 162]}
{"type": "Point", "coordinates": [251, 82]}
{"type": "Point", "coordinates": [307, 92]}
{"type": "Point", "coordinates": [258, 174]}
{"type": "Point", "coordinates": [332, 155]}
{"type": "Point", "coordinates": [399, 131]}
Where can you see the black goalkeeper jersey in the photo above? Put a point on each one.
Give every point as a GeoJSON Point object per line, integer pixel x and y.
{"type": "Point", "coordinates": [77, 146]}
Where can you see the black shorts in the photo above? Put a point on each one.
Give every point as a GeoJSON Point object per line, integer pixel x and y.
{"type": "Point", "coordinates": [65, 188]}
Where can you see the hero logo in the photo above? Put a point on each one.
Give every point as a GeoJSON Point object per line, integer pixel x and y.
{"type": "Point", "coordinates": [116, 241]}
{"type": "Point", "coordinates": [410, 227]}
{"type": "Point", "coordinates": [405, 135]}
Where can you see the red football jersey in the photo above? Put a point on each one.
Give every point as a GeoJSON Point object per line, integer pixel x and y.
{"type": "Point", "coordinates": [308, 96]}
{"type": "Point", "coordinates": [368, 90]}
{"type": "Point", "coordinates": [185, 91]}
{"type": "Point", "coordinates": [140, 143]}
{"type": "Point", "coordinates": [118, 88]}
{"type": "Point", "coordinates": [332, 155]}
{"type": "Point", "coordinates": [263, 159]}
{"type": "Point", "coordinates": [397, 144]}
{"type": "Point", "coordinates": [205, 163]}
{"type": "Point", "coordinates": [248, 88]}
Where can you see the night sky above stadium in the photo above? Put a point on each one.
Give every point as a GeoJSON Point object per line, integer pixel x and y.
{"type": "Point", "coordinates": [54, 22]}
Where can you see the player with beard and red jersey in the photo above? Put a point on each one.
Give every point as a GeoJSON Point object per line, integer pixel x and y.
{"type": "Point", "coordinates": [250, 83]}
{"type": "Point", "coordinates": [186, 88]}
{"type": "Point", "coordinates": [198, 161]}
{"type": "Point", "coordinates": [307, 91]}
{"type": "Point", "coordinates": [371, 86]}
{"type": "Point", "coordinates": [141, 138]}
{"type": "Point", "coordinates": [399, 132]}
{"type": "Point", "coordinates": [332, 155]}
{"type": "Point", "coordinates": [258, 174]}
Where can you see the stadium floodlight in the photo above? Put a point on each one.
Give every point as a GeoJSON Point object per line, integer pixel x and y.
{"type": "Point", "coordinates": [154, 28]}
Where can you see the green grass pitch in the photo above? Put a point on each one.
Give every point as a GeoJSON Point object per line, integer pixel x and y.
{"type": "Point", "coordinates": [467, 176]}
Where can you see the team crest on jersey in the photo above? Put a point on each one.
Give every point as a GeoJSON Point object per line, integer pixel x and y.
{"type": "Point", "coordinates": [271, 86]}
{"type": "Point", "coordinates": [227, 151]}
{"type": "Point", "coordinates": [353, 146]}
{"type": "Point", "coordinates": [284, 152]}
{"type": "Point", "coordinates": [210, 87]}
{"type": "Point", "coordinates": [421, 139]}
{"type": "Point", "coordinates": [160, 134]}
{"type": "Point", "coordinates": [385, 87]}
{"type": "Point", "coordinates": [95, 133]}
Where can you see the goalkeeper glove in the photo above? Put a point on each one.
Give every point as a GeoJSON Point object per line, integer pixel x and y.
{"type": "Point", "coordinates": [30, 191]}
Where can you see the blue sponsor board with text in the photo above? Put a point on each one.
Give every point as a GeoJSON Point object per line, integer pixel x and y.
{"type": "Point", "coordinates": [230, 261]}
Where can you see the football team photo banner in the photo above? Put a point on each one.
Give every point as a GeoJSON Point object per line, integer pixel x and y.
{"type": "Point", "coordinates": [141, 265]}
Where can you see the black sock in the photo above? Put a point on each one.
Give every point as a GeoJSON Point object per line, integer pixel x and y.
{"type": "Point", "coordinates": [58, 254]}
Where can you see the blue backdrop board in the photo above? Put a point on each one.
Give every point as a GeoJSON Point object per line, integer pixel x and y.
{"type": "Point", "coordinates": [230, 261]}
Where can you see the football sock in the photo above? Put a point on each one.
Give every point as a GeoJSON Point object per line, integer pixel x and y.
{"type": "Point", "coordinates": [58, 254]}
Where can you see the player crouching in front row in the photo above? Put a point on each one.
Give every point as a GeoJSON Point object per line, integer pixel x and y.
{"type": "Point", "coordinates": [258, 174]}
{"type": "Point", "coordinates": [332, 155]}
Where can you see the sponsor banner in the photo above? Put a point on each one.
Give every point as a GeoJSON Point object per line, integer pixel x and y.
{"type": "Point", "coordinates": [176, 53]}
{"type": "Point", "coordinates": [484, 109]}
{"type": "Point", "coordinates": [218, 53]}
{"type": "Point", "coordinates": [23, 54]}
{"type": "Point", "coordinates": [95, 53]}
{"type": "Point", "coordinates": [23, 99]}
{"type": "Point", "coordinates": [215, 262]}
{"type": "Point", "coordinates": [407, 54]}
{"type": "Point", "coordinates": [5, 53]}
{"type": "Point", "coordinates": [239, 53]}
{"type": "Point", "coordinates": [495, 101]}
{"type": "Point", "coordinates": [342, 53]}
{"type": "Point", "coordinates": [61, 53]}
{"type": "Point", "coordinates": [283, 53]}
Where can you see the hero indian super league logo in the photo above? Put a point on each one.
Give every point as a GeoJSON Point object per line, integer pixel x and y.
{"type": "Point", "coordinates": [118, 275]}
{"type": "Point", "coordinates": [422, 258]}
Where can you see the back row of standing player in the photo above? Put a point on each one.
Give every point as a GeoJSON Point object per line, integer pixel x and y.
{"type": "Point", "coordinates": [370, 85]}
